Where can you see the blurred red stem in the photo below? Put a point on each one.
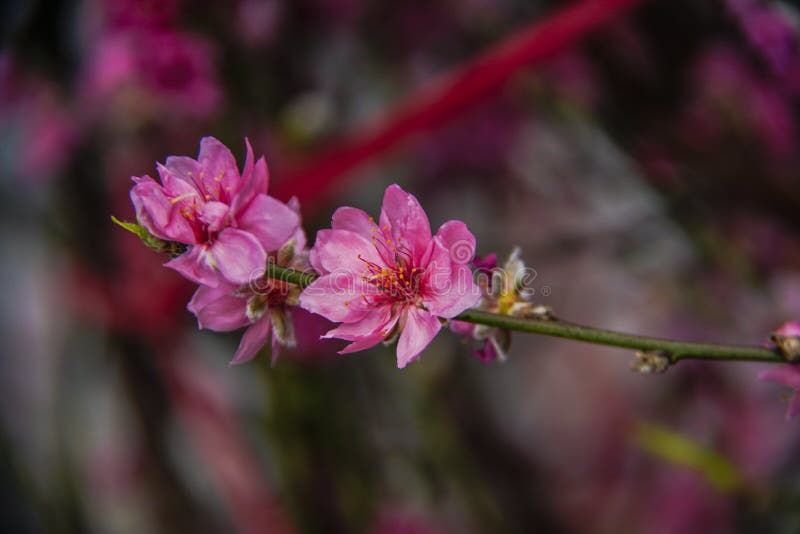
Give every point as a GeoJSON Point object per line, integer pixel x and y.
{"type": "Point", "coordinates": [435, 104]}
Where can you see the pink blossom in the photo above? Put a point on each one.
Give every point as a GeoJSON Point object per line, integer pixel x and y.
{"type": "Point", "coordinates": [227, 307]}
{"type": "Point", "coordinates": [786, 375]}
{"type": "Point", "coordinates": [262, 305]}
{"type": "Point", "coordinates": [227, 219]}
{"type": "Point", "coordinates": [391, 279]}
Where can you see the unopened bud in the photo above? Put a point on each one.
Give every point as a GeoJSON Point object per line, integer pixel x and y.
{"type": "Point", "coordinates": [652, 362]}
{"type": "Point", "coordinates": [788, 345]}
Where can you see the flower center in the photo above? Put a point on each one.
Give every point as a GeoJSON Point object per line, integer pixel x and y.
{"type": "Point", "coordinates": [190, 204]}
{"type": "Point", "coordinates": [397, 283]}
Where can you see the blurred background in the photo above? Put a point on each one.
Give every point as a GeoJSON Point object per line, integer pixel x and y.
{"type": "Point", "coordinates": [644, 155]}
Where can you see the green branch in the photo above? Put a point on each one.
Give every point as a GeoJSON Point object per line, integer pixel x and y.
{"type": "Point", "coordinates": [674, 351]}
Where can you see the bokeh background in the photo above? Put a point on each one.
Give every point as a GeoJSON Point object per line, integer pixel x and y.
{"type": "Point", "coordinates": [644, 155]}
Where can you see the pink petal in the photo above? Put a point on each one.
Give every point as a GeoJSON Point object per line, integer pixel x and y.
{"type": "Point", "coordinates": [299, 236]}
{"type": "Point", "coordinates": [253, 339]}
{"type": "Point", "coordinates": [406, 219]}
{"type": "Point", "coordinates": [794, 406]}
{"type": "Point", "coordinates": [419, 330]}
{"type": "Point", "coordinates": [337, 297]}
{"type": "Point", "coordinates": [313, 260]}
{"type": "Point", "coordinates": [785, 375]}
{"type": "Point", "coordinates": [218, 164]}
{"type": "Point", "coordinates": [181, 167]}
{"type": "Point", "coordinates": [158, 214]}
{"type": "Point", "coordinates": [271, 221]}
{"type": "Point", "coordinates": [376, 321]}
{"type": "Point", "coordinates": [248, 160]}
{"type": "Point", "coordinates": [253, 184]}
{"type": "Point", "coordinates": [215, 215]}
{"type": "Point", "coordinates": [354, 220]}
{"type": "Point", "coordinates": [790, 329]}
{"type": "Point", "coordinates": [193, 265]}
{"type": "Point", "coordinates": [344, 250]}
{"type": "Point", "coordinates": [218, 308]}
{"type": "Point", "coordinates": [458, 240]}
{"type": "Point", "coordinates": [438, 277]}
{"type": "Point", "coordinates": [488, 352]}
{"type": "Point", "coordinates": [376, 326]}
{"type": "Point", "coordinates": [177, 184]}
{"type": "Point", "coordinates": [238, 256]}
{"type": "Point", "coordinates": [364, 343]}
{"type": "Point", "coordinates": [462, 293]}
{"type": "Point", "coordinates": [462, 328]}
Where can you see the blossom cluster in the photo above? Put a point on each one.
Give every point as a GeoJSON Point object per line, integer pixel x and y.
{"type": "Point", "coordinates": [381, 280]}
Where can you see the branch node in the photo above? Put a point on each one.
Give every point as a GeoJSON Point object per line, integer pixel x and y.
{"type": "Point", "coordinates": [650, 362]}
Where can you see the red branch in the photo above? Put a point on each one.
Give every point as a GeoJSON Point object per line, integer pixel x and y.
{"type": "Point", "coordinates": [434, 105]}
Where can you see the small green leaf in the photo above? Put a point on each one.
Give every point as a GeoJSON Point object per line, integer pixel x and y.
{"type": "Point", "coordinates": [152, 242]}
{"type": "Point", "coordinates": [133, 228]}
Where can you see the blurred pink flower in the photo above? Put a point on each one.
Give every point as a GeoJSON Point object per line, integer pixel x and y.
{"type": "Point", "coordinates": [155, 72]}
{"type": "Point", "coordinates": [36, 122]}
{"type": "Point", "coordinates": [771, 32]}
{"type": "Point", "coordinates": [730, 96]}
{"type": "Point", "coordinates": [786, 375]}
{"type": "Point", "coordinates": [227, 219]}
{"type": "Point", "coordinates": [140, 13]}
{"type": "Point", "coordinates": [393, 279]}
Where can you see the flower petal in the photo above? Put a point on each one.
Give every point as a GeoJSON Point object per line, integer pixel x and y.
{"type": "Point", "coordinates": [375, 322]}
{"type": "Point", "coordinates": [383, 324]}
{"type": "Point", "coordinates": [158, 213]}
{"type": "Point", "coordinates": [253, 339]}
{"type": "Point", "coordinates": [299, 236]}
{"type": "Point", "coordinates": [194, 265]}
{"type": "Point", "coordinates": [178, 184]}
{"type": "Point", "coordinates": [364, 343]}
{"type": "Point", "coordinates": [252, 184]}
{"type": "Point", "coordinates": [458, 240]}
{"type": "Point", "coordinates": [336, 250]}
{"type": "Point", "coordinates": [248, 160]}
{"type": "Point", "coordinates": [238, 256]}
{"type": "Point", "coordinates": [354, 220]}
{"type": "Point", "coordinates": [182, 167]}
{"type": "Point", "coordinates": [337, 297]}
{"type": "Point", "coordinates": [461, 293]}
{"type": "Point", "coordinates": [785, 375]}
{"type": "Point", "coordinates": [215, 215]}
{"type": "Point", "coordinates": [790, 329]}
{"type": "Point", "coordinates": [218, 165]}
{"type": "Point", "coordinates": [219, 308]}
{"type": "Point", "coordinates": [437, 279]}
{"type": "Point", "coordinates": [270, 221]}
{"type": "Point", "coordinates": [462, 328]}
{"type": "Point", "coordinates": [406, 219]}
{"type": "Point", "coordinates": [419, 330]}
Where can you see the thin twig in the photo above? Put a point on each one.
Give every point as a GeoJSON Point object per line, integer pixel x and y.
{"type": "Point", "coordinates": [673, 350]}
